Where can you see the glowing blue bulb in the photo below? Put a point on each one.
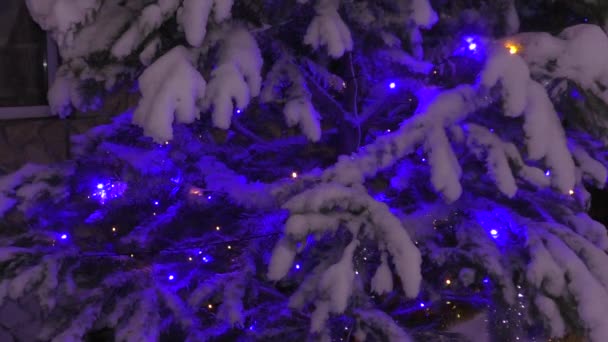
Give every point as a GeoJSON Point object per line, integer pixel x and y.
{"type": "Point", "coordinates": [392, 85]}
{"type": "Point", "coordinates": [297, 266]}
{"type": "Point", "coordinates": [486, 280]}
{"type": "Point", "coordinates": [548, 173]}
{"type": "Point", "coordinates": [238, 111]}
{"type": "Point", "coordinates": [252, 327]}
{"type": "Point", "coordinates": [155, 202]}
{"type": "Point", "coordinates": [468, 39]}
{"type": "Point", "coordinates": [205, 259]}
{"type": "Point", "coordinates": [208, 197]}
{"type": "Point", "coordinates": [421, 305]}
{"type": "Point", "coordinates": [200, 252]}
{"type": "Point", "coordinates": [99, 186]}
{"type": "Point", "coordinates": [472, 46]}
{"type": "Point", "coordinates": [494, 233]}
{"type": "Point", "coordinates": [171, 277]}
{"type": "Point", "coordinates": [64, 236]}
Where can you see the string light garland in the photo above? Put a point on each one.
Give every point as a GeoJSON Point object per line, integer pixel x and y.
{"type": "Point", "coordinates": [173, 250]}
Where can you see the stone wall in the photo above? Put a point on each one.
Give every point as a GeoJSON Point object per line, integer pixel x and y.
{"type": "Point", "coordinates": [46, 140]}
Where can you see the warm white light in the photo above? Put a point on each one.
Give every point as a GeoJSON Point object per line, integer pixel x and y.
{"type": "Point", "coordinates": [513, 49]}
{"type": "Point", "coordinates": [294, 175]}
{"type": "Point", "coordinates": [571, 192]}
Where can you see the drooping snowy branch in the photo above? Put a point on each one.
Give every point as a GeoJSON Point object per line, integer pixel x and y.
{"type": "Point", "coordinates": [194, 15]}
{"type": "Point", "coordinates": [499, 156]}
{"type": "Point", "coordinates": [150, 19]}
{"type": "Point", "coordinates": [236, 79]}
{"type": "Point", "coordinates": [328, 29]}
{"type": "Point", "coordinates": [325, 209]}
{"type": "Point", "coordinates": [298, 109]}
{"type": "Point", "coordinates": [172, 90]}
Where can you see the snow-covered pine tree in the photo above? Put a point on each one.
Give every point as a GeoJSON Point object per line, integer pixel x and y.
{"type": "Point", "coordinates": [465, 192]}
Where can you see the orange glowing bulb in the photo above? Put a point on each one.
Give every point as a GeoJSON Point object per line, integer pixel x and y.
{"type": "Point", "coordinates": [513, 49]}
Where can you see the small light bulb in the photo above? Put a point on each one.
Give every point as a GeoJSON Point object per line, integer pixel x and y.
{"type": "Point", "coordinates": [210, 306]}
{"type": "Point", "coordinates": [99, 186]}
{"type": "Point", "coordinates": [513, 49]}
{"type": "Point", "coordinates": [571, 192]}
{"type": "Point", "coordinates": [217, 228]}
{"type": "Point", "coordinates": [297, 266]}
{"type": "Point", "coordinates": [448, 282]}
{"type": "Point", "coordinates": [64, 236]}
{"type": "Point", "coordinates": [392, 85]}
{"type": "Point", "coordinates": [294, 175]}
{"type": "Point", "coordinates": [421, 305]}
{"type": "Point", "coordinates": [229, 247]}
{"type": "Point", "coordinates": [189, 258]}
{"type": "Point", "coordinates": [131, 255]}
{"type": "Point", "coordinates": [472, 46]}
{"type": "Point", "coordinates": [171, 277]}
{"type": "Point", "coordinates": [114, 229]}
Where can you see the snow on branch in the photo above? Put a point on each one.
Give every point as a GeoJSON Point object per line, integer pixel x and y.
{"type": "Point", "coordinates": [193, 16]}
{"type": "Point", "coordinates": [545, 137]}
{"type": "Point", "coordinates": [326, 208]}
{"type": "Point", "coordinates": [298, 109]}
{"type": "Point", "coordinates": [578, 53]}
{"type": "Point", "coordinates": [171, 90]}
{"type": "Point", "coordinates": [376, 320]}
{"type": "Point", "coordinates": [590, 167]}
{"type": "Point", "coordinates": [499, 157]}
{"type": "Point", "coordinates": [150, 19]}
{"type": "Point", "coordinates": [435, 114]}
{"type": "Point", "coordinates": [236, 79]}
{"type": "Point", "coordinates": [422, 13]}
{"type": "Point", "coordinates": [328, 29]}
{"type": "Point", "coordinates": [218, 177]}
{"type": "Point", "coordinates": [582, 274]}
{"type": "Point", "coordinates": [22, 188]}
{"type": "Point", "coordinates": [62, 17]}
